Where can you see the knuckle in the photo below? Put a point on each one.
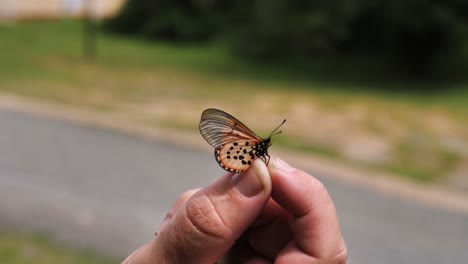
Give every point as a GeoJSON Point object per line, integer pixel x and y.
{"type": "Point", "coordinates": [179, 202]}
{"type": "Point", "coordinates": [205, 218]}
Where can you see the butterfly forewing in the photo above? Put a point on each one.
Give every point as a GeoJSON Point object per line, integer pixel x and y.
{"type": "Point", "coordinates": [236, 156]}
{"type": "Point", "coordinates": [236, 146]}
{"type": "Point", "coordinates": [220, 128]}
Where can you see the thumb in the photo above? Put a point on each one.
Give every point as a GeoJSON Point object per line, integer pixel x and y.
{"type": "Point", "coordinates": [206, 226]}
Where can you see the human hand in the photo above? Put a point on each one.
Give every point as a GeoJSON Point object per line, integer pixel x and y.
{"type": "Point", "coordinates": [277, 215]}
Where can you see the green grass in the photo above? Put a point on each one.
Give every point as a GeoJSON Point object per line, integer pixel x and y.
{"type": "Point", "coordinates": [26, 248]}
{"type": "Point", "coordinates": [25, 48]}
{"type": "Point", "coordinates": [166, 85]}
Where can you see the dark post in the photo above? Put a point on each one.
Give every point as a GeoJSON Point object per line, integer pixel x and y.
{"type": "Point", "coordinates": [90, 31]}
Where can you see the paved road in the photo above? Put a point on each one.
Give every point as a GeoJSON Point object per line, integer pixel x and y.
{"type": "Point", "coordinates": [108, 191]}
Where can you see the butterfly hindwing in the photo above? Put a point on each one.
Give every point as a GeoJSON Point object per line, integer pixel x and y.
{"type": "Point", "coordinates": [237, 156]}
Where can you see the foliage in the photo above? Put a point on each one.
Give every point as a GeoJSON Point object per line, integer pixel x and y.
{"type": "Point", "coordinates": [181, 20]}
{"type": "Point", "coordinates": [409, 35]}
{"type": "Point", "coordinates": [413, 32]}
{"type": "Point", "coordinates": [412, 36]}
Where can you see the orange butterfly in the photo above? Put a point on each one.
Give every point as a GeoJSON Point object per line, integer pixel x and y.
{"type": "Point", "coordinates": [236, 146]}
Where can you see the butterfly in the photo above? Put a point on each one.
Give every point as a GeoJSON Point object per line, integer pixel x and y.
{"type": "Point", "coordinates": [236, 146]}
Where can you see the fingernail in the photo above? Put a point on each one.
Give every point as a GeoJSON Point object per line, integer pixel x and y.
{"type": "Point", "coordinates": [251, 182]}
{"type": "Point", "coordinates": [281, 164]}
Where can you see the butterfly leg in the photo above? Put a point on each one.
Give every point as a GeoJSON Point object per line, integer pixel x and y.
{"type": "Point", "coordinates": [265, 158]}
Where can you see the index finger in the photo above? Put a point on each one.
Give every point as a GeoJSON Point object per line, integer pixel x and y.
{"type": "Point", "coordinates": [313, 220]}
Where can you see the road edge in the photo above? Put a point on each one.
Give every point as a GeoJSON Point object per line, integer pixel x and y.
{"type": "Point", "coordinates": [429, 194]}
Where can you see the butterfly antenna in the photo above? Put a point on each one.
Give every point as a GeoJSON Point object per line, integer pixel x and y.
{"type": "Point", "coordinates": [273, 132]}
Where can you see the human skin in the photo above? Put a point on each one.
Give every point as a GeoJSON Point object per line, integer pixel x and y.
{"type": "Point", "coordinates": [275, 214]}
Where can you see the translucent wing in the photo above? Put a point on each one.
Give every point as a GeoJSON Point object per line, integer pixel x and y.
{"type": "Point", "coordinates": [219, 128]}
{"type": "Point", "coordinates": [236, 156]}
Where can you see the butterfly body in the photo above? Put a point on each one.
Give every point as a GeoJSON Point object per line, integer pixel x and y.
{"type": "Point", "coordinates": [236, 146]}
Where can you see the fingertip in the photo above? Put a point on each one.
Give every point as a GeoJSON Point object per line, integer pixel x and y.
{"type": "Point", "coordinates": [263, 175]}
{"type": "Point", "coordinates": [293, 188]}
{"type": "Point", "coordinates": [278, 164]}
{"type": "Point", "coordinates": [314, 219]}
{"type": "Point", "coordinates": [254, 181]}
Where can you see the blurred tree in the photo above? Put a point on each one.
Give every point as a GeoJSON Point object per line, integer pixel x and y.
{"type": "Point", "coordinates": [173, 20]}
{"type": "Point", "coordinates": [412, 34]}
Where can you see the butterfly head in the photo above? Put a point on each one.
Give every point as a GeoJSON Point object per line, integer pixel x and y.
{"type": "Point", "coordinates": [268, 140]}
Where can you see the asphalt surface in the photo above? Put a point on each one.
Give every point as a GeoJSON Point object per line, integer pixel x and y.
{"type": "Point", "coordinates": [107, 191]}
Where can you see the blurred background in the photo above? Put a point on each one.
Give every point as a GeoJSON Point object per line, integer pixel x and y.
{"type": "Point", "coordinates": [100, 102]}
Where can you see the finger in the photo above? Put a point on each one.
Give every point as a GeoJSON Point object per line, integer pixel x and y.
{"type": "Point", "coordinates": [207, 224]}
{"type": "Point", "coordinates": [313, 221]}
{"type": "Point", "coordinates": [270, 232]}
{"type": "Point", "coordinates": [181, 200]}
{"type": "Point", "coordinates": [270, 213]}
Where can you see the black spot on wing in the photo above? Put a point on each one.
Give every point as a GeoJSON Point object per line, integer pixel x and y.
{"type": "Point", "coordinates": [231, 158]}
